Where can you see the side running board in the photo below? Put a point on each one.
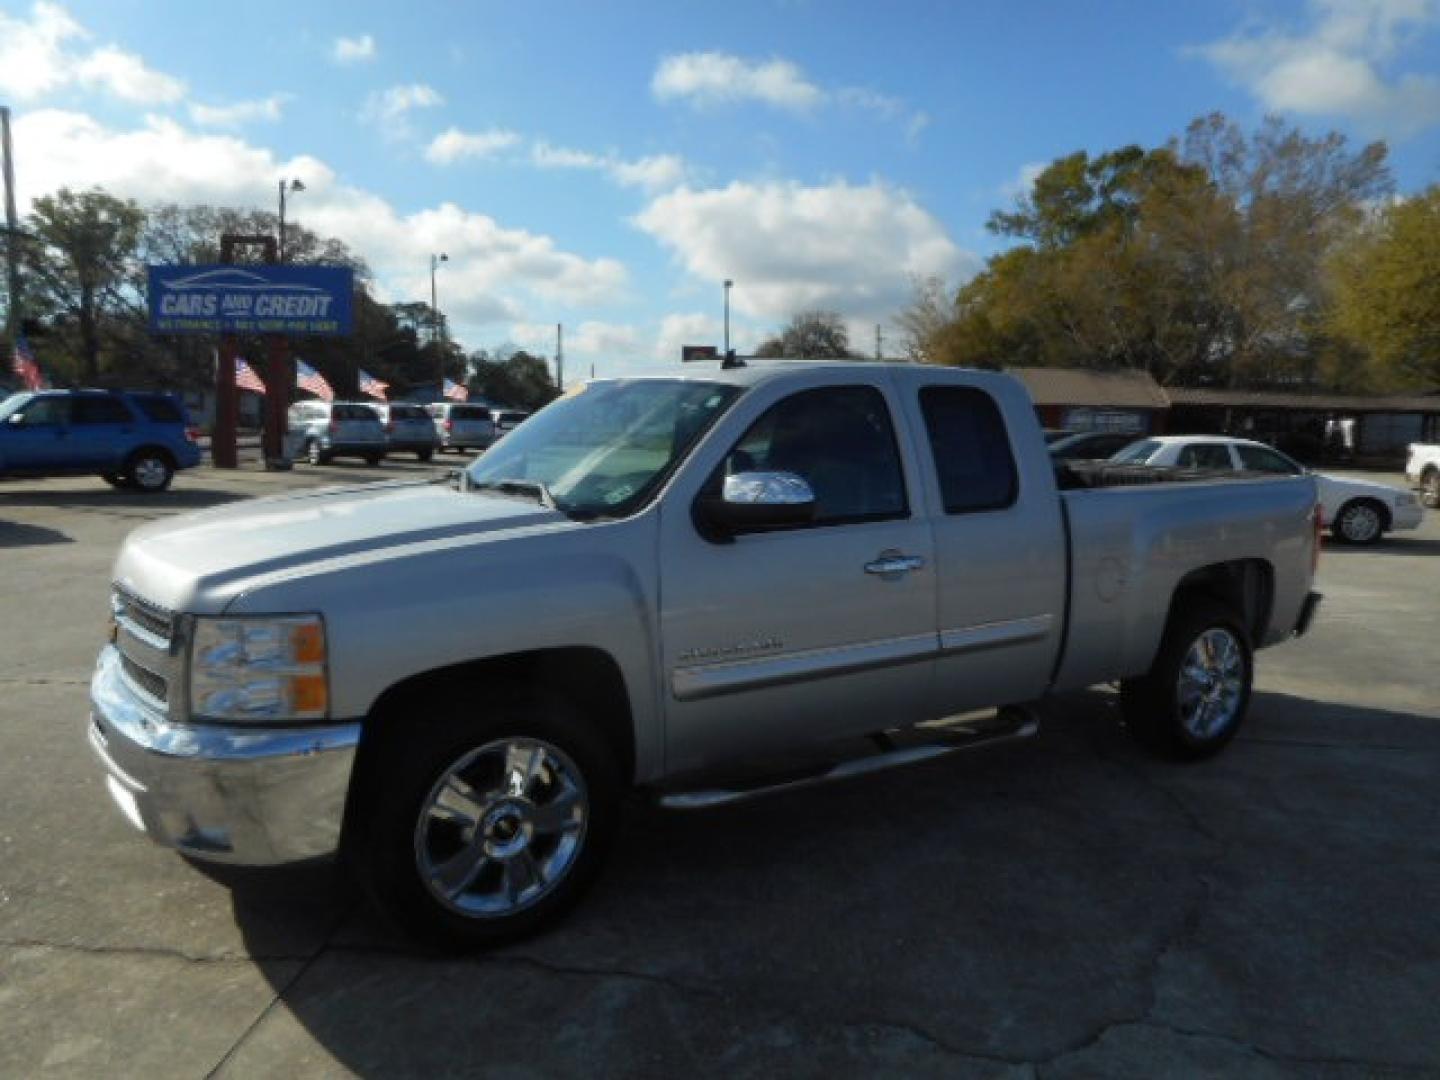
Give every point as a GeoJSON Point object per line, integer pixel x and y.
{"type": "Point", "coordinates": [1010, 724]}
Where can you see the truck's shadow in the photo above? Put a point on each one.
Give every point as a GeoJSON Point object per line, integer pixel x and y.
{"type": "Point", "coordinates": [1390, 545]}
{"type": "Point", "coordinates": [13, 534]}
{"type": "Point", "coordinates": [1010, 903]}
{"type": "Point", "coordinates": [104, 497]}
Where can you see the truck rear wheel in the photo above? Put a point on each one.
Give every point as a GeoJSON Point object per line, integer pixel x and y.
{"type": "Point", "coordinates": [1195, 696]}
{"type": "Point", "coordinates": [485, 830]}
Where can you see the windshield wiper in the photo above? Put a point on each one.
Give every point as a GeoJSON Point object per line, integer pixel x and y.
{"type": "Point", "coordinates": [534, 489]}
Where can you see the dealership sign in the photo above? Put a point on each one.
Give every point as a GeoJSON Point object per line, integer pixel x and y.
{"type": "Point", "coordinates": [301, 300]}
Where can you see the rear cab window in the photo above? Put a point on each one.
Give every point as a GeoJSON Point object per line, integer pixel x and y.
{"type": "Point", "coordinates": [355, 412]}
{"type": "Point", "coordinates": [469, 412]}
{"type": "Point", "coordinates": [970, 447]}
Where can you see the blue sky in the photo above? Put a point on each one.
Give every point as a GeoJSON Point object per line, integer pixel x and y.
{"type": "Point", "coordinates": [608, 165]}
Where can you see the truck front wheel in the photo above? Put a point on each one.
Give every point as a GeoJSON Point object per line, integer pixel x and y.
{"type": "Point", "coordinates": [486, 830]}
{"type": "Point", "coordinates": [1195, 695]}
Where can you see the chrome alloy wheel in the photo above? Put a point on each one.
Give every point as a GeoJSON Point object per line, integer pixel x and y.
{"type": "Point", "coordinates": [150, 473]}
{"type": "Point", "coordinates": [1212, 682]}
{"type": "Point", "coordinates": [501, 827]}
{"type": "Point", "coordinates": [1360, 524]}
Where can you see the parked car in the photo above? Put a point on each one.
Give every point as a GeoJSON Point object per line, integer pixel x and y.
{"type": "Point", "coordinates": [409, 429]}
{"type": "Point", "coordinates": [462, 427]}
{"type": "Point", "coordinates": [699, 572]}
{"type": "Point", "coordinates": [1090, 445]}
{"type": "Point", "coordinates": [1422, 469]}
{"type": "Point", "coordinates": [1355, 511]}
{"type": "Point", "coordinates": [133, 439]}
{"type": "Point", "coordinates": [331, 429]}
{"type": "Point", "coordinates": [507, 420]}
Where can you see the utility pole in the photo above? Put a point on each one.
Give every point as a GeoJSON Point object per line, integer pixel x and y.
{"type": "Point", "coordinates": [879, 349]}
{"type": "Point", "coordinates": [559, 357]}
{"type": "Point", "coordinates": [12, 233]}
{"type": "Point", "coordinates": [728, 285]}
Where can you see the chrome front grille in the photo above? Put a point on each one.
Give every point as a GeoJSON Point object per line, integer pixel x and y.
{"type": "Point", "coordinates": [151, 618]}
{"type": "Point", "coordinates": [148, 638]}
{"type": "Point", "coordinates": [145, 681]}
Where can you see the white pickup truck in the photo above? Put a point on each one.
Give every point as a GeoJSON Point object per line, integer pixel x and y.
{"type": "Point", "coordinates": [652, 584]}
{"type": "Point", "coordinates": [1422, 469]}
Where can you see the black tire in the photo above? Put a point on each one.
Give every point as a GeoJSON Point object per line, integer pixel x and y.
{"type": "Point", "coordinates": [1359, 522]}
{"type": "Point", "coordinates": [1154, 705]}
{"type": "Point", "coordinates": [387, 851]}
{"type": "Point", "coordinates": [314, 454]}
{"type": "Point", "coordinates": [374, 459]}
{"type": "Point", "coordinates": [148, 470]}
{"type": "Point", "coordinates": [1430, 488]}
{"type": "Point", "coordinates": [424, 455]}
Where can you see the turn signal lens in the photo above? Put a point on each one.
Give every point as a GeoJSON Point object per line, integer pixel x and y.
{"type": "Point", "coordinates": [308, 643]}
{"type": "Point", "coordinates": [308, 695]}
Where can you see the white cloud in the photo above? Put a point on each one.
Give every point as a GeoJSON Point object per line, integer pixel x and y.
{"type": "Point", "coordinates": [239, 113]}
{"type": "Point", "coordinates": [1343, 64]}
{"type": "Point", "coordinates": [593, 338]}
{"type": "Point", "coordinates": [1023, 182]}
{"type": "Point", "coordinates": [354, 50]}
{"type": "Point", "coordinates": [453, 145]}
{"type": "Point", "coordinates": [789, 247]}
{"type": "Point", "coordinates": [390, 109]}
{"type": "Point", "coordinates": [494, 271]}
{"type": "Point", "coordinates": [653, 173]}
{"type": "Point", "coordinates": [689, 328]}
{"type": "Point", "coordinates": [36, 59]}
{"type": "Point", "coordinates": [716, 78]}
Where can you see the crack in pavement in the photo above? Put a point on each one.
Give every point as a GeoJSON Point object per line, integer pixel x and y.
{"type": "Point", "coordinates": [150, 951]}
{"type": "Point", "coordinates": [41, 680]}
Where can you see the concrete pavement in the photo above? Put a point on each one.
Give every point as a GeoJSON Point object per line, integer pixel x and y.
{"type": "Point", "coordinates": [1068, 907]}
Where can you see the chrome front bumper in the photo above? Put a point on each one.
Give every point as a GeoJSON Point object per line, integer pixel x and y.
{"type": "Point", "coordinates": [233, 794]}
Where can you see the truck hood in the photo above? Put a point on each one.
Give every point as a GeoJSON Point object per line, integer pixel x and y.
{"type": "Point", "coordinates": [199, 562]}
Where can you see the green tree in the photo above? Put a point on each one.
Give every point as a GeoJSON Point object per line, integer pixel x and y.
{"type": "Point", "coordinates": [1387, 291]}
{"type": "Point", "coordinates": [810, 335]}
{"type": "Point", "coordinates": [1201, 261]}
{"type": "Point", "coordinates": [82, 262]}
{"type": "Point", "coordinates": [512, 377]}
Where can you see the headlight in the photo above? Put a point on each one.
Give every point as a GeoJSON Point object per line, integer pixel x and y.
{"type": "Point", "coordinates": [259, 669]}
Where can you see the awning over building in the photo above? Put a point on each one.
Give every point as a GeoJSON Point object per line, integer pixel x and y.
{"type": "Point", "coordinates": [1096, 389]}
{"type": "Point", "coordinates": [1272, 399]}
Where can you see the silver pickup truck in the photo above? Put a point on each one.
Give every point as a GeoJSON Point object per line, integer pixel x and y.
{"type": "Point", "coordinates": [657, 583]}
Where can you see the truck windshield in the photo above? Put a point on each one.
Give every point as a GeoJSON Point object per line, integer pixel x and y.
{"type": "Point", "coordinates": [604, 448]}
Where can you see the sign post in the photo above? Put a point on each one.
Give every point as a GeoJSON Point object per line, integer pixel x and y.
{"type": "Point", "coordinates": [275, 301]}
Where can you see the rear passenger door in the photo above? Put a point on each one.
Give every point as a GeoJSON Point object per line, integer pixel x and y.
{"type": "Point", "coordinates": [1000, 548]}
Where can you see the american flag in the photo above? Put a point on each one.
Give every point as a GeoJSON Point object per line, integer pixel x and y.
{"type": "Point", "coordinates": [24, 365]}
{"type": "Point", "coordinates": [307, 378]}
{"type": "Point", "coordinates": [245, 377]}
{"type": "Point", "coordinates": [372, 386]}
{"type": "Point", "coordinates": [455, 392]}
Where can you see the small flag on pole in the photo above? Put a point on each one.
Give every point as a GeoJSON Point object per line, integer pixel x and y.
{"type": "Point", "coordinates": [245, 377]}
{"type": "Point", "coordinates": [307, 378]}
{"type": "Point", "coordinates": [24, 365]}
{"type": "Point", "coordinates": [455, 392]}
{"type": "Point", "coordinates": [371, 386]}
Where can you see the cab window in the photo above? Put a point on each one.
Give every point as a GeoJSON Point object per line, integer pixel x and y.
{"type": "Point", "coordinates": [841, 441]}
{"type": "Point", "coordinates": [45, 410]}
{"type": "Point", "coordinates": [970, 447]}
{"type": "Point", "coordinates": [99, 410]}
{"type": "Point", "coordinates": [1263, 459]}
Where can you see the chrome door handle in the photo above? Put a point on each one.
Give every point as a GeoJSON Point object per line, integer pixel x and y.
{"type": "Point", "coordinates": [895, 563]}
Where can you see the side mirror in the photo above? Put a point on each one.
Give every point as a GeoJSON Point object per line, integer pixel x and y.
{"type": "Point", "coordinates": [756, 501]}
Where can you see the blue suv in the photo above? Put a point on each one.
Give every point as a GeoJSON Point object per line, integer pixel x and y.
{"type": "Point", "coordinates": [132, 439]}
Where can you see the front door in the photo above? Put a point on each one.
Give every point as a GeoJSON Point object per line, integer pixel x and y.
{"type": "Point", "coordinates": [811, 633]}
{"type": "Point", "coordinates": [36, 440]}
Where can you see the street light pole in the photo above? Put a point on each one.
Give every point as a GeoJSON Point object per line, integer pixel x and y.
{"type": "Point", "coordinates": [728, 283]}
{"type": "Point", "coordinates": [435, 261]}
{"type": "Point", "coordinates": [12, 232]}
{"type": "Point", "coordinates": [291, 185]}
